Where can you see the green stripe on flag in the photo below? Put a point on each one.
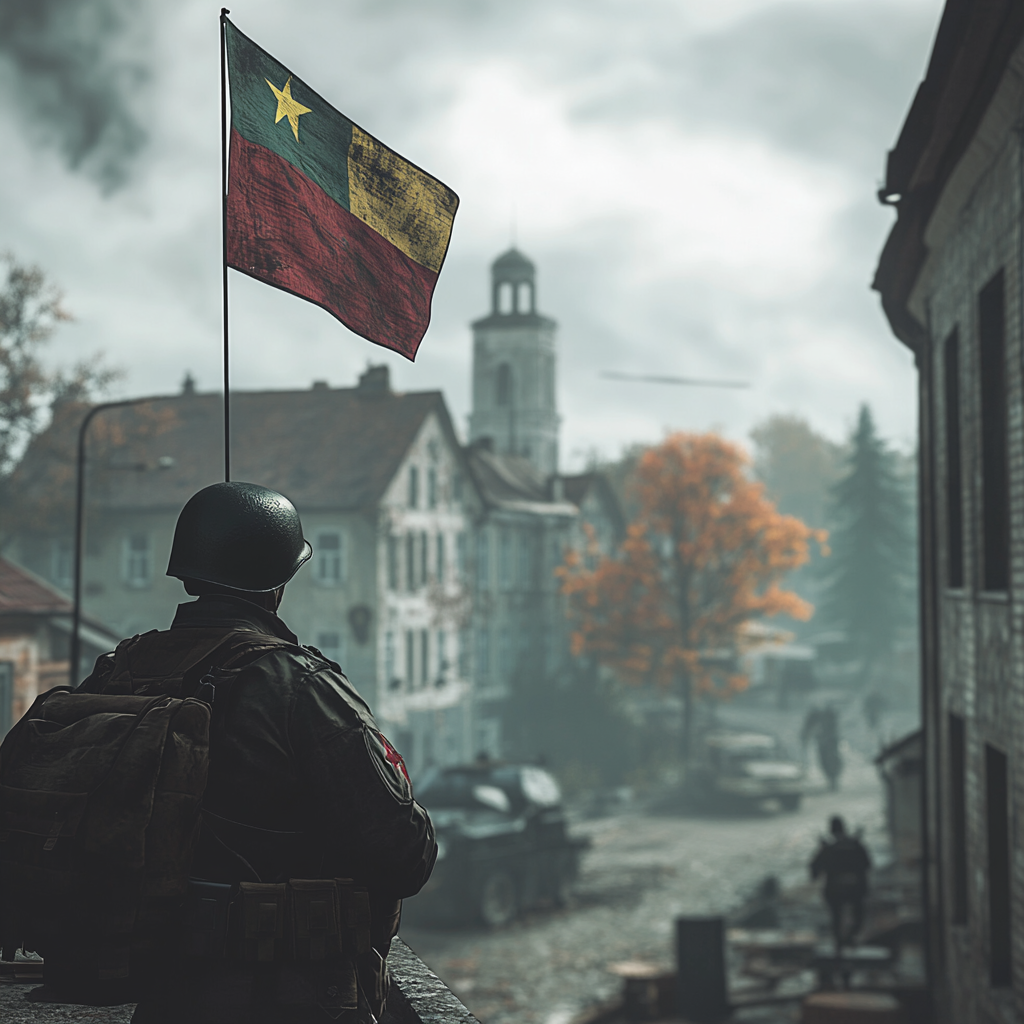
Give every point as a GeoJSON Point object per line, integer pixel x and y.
{"type": "Point", "coordinates": [321, 150]}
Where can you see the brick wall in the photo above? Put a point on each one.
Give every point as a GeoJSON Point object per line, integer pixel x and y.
{"type": "Point", "coordinates": [980, 673]}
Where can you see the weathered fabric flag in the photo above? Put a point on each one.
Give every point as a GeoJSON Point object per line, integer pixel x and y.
{"type": "Point", "coordinates": [322, 209]}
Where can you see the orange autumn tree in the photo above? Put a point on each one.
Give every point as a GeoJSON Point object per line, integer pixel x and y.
{"type": "Point", "coordinates": [705, 556]}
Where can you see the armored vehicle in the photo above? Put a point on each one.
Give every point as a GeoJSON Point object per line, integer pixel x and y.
{"type": "Point", "coordinates": [503, 844]}
{"type": "Point", "coordinates": [745, 770]}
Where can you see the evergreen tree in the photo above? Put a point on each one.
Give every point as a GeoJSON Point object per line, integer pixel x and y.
{"type": "Point", "coordinates": [869, 591]}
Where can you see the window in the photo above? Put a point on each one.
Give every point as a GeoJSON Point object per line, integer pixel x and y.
{"type": "Point", "coordinates": [503, 385]}
{"type": "Point", "coordinates": [464, 652]}
{"type": "Point", "coordinates": [410, 561]}
{"type": "Point", "coordinates": [389, 661]}
{"type": "Point", "coordinates": [460, 555]}
{"type": "Point", "coordinates": [506, 655]}
{"type": "Point", "coordinates": [330, 569]}
{"type": "Point", "coordinates": [958, 815]}
{"type": "Point", "coordinates": [505, 560]}
{"type": "Point", "coordinates": [483, 560]}
{"type": "Point", "coordinates": [329, 645]}
{"type": "Point", "coordinates": [995, 496]}
{"type": "Point", "coordinates": [525, 559]}
{"type": "Point", "coordinates": [997, 812]}
{"type": "Point", "coordinates": [424, 656]}
{"type": "Point", "coordinates": [431, 488]}
{"type": "Point", "coordinates": [483, 654]}
{"type": "Point", "coordinates": [424, 555]}
{"type": "Point", "coordinates": [457, 488]}
{"type": "Point", "coordinates": [442, 655]}
{"type": "Point", "coordinates": [138, 560]}
{"type": "Point", "coordinates": [954, 472]}
{"type": "Point", "coordinates": [414, 487]}
{"type": "Point", "coordinates": [7, 697]}
{"type": "Point", "coordinates": [62, 567]}
{"type": "Point", "coordinates": [505, 297]}
{"type": "Point", "coordinates": [439, 563]}
{"type": "Point", "coordinates": [410, 658]}
{"type": "Point", "coordinates": [392, 562]}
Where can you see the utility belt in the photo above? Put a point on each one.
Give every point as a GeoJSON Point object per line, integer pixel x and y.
{"type": "Point", "coordinates": [299, 920]}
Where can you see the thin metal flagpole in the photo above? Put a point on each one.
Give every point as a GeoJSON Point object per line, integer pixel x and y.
{"type": "Point", "coordinates": [224, 12]}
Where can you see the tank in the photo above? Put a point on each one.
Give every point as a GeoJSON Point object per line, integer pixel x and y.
{"type": "Point", "coordinates": [503, 845]}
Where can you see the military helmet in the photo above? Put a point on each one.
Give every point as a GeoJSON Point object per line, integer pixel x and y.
{"type": "Point", "coordinates": [238, 535]}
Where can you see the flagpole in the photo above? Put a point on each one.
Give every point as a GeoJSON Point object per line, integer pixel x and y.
{"type": "Point", "coordinates": [224, 234]}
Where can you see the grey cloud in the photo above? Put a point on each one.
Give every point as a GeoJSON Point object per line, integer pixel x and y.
{"type": "Point", "coordinates": [74, 71]}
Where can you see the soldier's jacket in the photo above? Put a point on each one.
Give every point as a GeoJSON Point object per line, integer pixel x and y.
{"type": "Point", "coordinates": [301, 782]}
{"type": "Point", "coordinates": [296, 749]}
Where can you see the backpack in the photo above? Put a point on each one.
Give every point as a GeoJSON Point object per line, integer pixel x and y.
{"type": "Point", "coordinates": [100, 800]}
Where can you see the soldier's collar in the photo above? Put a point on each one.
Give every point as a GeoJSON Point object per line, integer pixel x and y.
{"type": "Point", "coordinates": [232, 613]}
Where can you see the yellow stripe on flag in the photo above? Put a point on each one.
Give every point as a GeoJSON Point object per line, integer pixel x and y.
{"type": "Point", "coordinates": [412, 210]}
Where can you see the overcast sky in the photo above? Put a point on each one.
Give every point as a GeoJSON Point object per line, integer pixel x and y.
{"type": "Point", "coordinates": [695, 180]}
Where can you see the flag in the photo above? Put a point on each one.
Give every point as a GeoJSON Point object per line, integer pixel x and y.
{"type": "Point", "coordinates": [320, 208]}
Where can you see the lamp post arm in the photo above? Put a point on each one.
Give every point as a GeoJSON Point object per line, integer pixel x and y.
{"type": "Point", "coordinates": [76, 614]}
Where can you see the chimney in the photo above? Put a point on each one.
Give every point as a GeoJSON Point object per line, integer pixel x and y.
{"type": "Point", "coordinates": [320, 385]}
{"type": "Point", "coordinates": [375, 380]}
{"type": "Point", "coordinates": [188, 385]}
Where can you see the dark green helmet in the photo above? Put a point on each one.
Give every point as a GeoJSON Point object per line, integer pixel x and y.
{"type": "Point", "coordinates": [238, 535]}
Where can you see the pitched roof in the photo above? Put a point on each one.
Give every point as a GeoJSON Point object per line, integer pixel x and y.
{"type": "Point", "coordinates": [510, 482]}
{"type": "Point", "coordinates": [24, 593]}
{"type": "Point", "coordinates": [972, 49]}
{"type": "Point", "coordinates": [335, 448]}
{"type": "Point", "coordinates": [577, 487]}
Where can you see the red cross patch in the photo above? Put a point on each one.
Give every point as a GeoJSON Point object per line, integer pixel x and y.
{"type": "Point", "coordinates": [393, 757]}
{"type": "Point", "coordinates": [389, 764]}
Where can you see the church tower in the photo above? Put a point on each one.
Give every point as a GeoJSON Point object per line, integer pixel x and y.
{"type": "Point", "coordinates": [514, 369]}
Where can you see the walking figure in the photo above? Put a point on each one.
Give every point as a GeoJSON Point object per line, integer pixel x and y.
{"type": "Point", "coordinates": [845, 863]}
{"type": "Point", "coordinates": [822, 725]}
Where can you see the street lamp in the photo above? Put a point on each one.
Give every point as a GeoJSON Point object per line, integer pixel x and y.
{"type": "Point", "coordinates": [76, 615]}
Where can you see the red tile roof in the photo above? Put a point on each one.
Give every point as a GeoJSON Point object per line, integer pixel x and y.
{"type": "Point", "coordinates": [23, 593]}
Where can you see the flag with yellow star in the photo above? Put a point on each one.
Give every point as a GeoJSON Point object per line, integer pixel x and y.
{"type": "Point", "coordinates": [320, 208]}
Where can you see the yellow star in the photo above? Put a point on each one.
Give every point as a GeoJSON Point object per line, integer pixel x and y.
{"type": "Point", "coordinates": [286, 106]}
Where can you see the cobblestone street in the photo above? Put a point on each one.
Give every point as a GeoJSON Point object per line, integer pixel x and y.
{"type": "Point", "coordinates": [642, 871]}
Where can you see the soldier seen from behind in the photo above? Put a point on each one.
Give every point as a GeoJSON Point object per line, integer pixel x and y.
{"type": "Point", "coordinates": [844, 862]}
{"type": "Point", "coordinates": [257, 831]}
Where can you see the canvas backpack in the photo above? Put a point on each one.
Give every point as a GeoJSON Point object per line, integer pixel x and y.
{"type": "Point", "coordinates": [100, 798]}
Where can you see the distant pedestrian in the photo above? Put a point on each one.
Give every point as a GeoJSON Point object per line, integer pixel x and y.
{"type": "Point", "coordinates": [874, 707]}
{"type": "Point", "coordinates": [822, 726]}
{"type": "Point", "coordinates": [844, 862]}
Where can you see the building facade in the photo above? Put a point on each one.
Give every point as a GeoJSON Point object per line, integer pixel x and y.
{"type": "Point", "coordinates": [950, 279]}
{"type": "Point", "coordinates": [532, 515]}
{"type": "Point", "coordinates": [387, 501]}
{"type": "Point", "coordinates": [35, 630]}
{"type": "Point", "coordinates": [433, 578]}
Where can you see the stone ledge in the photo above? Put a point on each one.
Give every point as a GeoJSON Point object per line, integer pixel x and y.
{"type": "Point", "coordinates": [418, 996]}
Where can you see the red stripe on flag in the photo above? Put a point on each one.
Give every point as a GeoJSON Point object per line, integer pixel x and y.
{"type": "Point", "coordinates": [286, 231]}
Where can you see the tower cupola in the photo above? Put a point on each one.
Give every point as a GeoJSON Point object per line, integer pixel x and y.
{"type": "Point", "coordinates": [513, 284]}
